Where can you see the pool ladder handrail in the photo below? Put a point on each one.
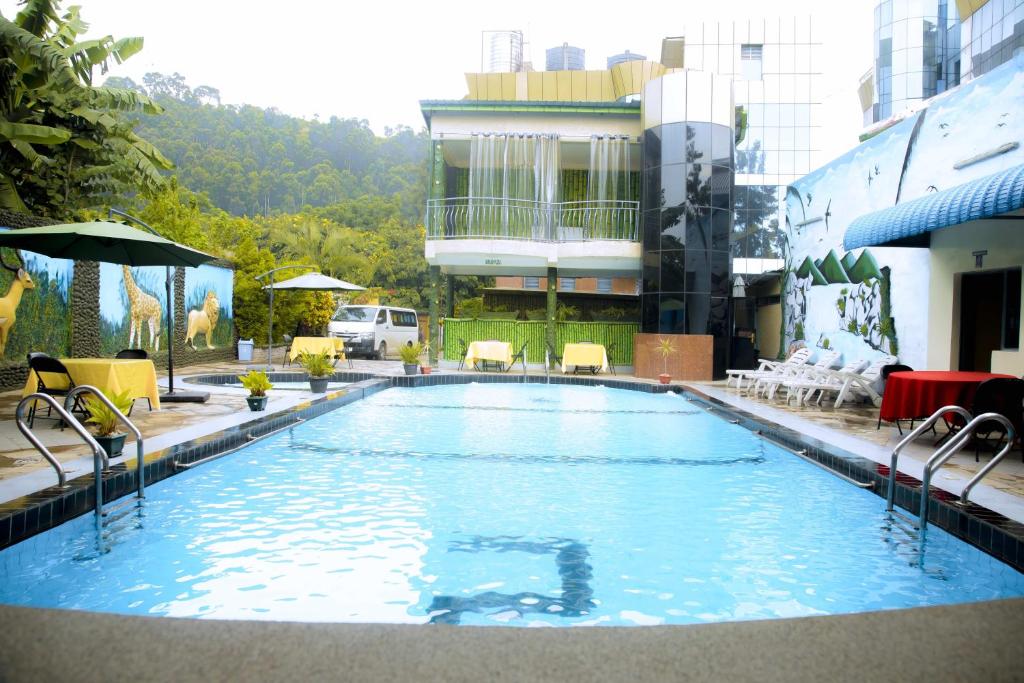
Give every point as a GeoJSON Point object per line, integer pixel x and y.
{"type": "Point", "coordinates": [947, 451]}
{"type": "Point", "coordinates": [99, 455]}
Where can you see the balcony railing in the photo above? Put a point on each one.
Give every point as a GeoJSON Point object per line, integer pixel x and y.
{"type": "Point", "coordinates": [456, 218]}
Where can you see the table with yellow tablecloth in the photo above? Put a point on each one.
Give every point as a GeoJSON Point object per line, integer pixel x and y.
{"type": "Point", "coordinates": [332, 346]}
{"type": "Point", "coordinates": [137, 376]}
{"type": "Point", "coordinates": [494, 351]}
{"type": "Point", "coordinates": [585, 356]}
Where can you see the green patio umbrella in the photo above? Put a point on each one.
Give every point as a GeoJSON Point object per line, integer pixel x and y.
{"type": "Point", "coordinates": [104, 241]}
{"type": "Point", "coordinates": [112, 242]}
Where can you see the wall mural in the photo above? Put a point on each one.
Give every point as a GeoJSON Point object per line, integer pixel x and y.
{"type": "Point", "coordinates": [133, 307]}
{"type": "Point", "coordinates": [867, 302]}
{"type": "Point", "coordinates": [210, 322]}
{"type": "Point", "coordinates": [34, 304]}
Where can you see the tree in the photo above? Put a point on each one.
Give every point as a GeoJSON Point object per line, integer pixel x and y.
{"type": "Point", "coordinates": [63, 142]}
{"type": "Point", "coordinates": [338, 251]}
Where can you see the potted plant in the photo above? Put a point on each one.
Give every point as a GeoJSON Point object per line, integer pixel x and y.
{"type": "Point", "coordinates": [666, 349]}
{"type": "Point", "coordinates": [410, 354]}
{"type": "Point", "coordinates": [320, 370]}
{"type": "Point", "coordinates": [258, 385]}
{"type": "Point", "coordinates": [425, 367]}
{"type": "Point", "coordinates": [106, 421]}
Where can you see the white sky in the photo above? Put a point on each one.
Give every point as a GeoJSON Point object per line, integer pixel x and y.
{"type": "Point", "coordinates": [375, 60]}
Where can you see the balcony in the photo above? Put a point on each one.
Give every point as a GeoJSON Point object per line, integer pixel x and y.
{"type": "Point", "coordinates": [499, 236]}
{"type": "Point", "coordinates": [496, 218]}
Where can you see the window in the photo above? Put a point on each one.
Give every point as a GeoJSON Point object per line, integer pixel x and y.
{"type": "Point", "coordinates": [403, 318]}
{"type": "Point", "coordinates": [531, 283]}
{"type": "Point", "coordinates": [604, 285]}
{"type": "Point", "coordinates": [568, 284]}
{"type": "Point", "coordinates": [382, 317]}
{"type": "Point", "coordinates": [750, 62]}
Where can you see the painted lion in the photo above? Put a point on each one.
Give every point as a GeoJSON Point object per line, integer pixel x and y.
{"type": "Point", "coordinates": [203, 321]}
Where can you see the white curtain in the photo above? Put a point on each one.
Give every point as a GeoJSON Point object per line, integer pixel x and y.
{"type": "Point", "coordinates": [513, 178]}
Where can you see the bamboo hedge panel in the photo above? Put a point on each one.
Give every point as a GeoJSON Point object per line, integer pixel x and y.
{"type": "Point", "coordinates": [532, 333]}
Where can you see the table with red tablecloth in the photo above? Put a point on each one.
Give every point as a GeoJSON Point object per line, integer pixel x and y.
{"type": "Point", "coordinates": [917, 394]}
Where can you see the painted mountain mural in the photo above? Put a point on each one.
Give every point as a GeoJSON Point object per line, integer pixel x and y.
{"type": "Point", "coordinates": [833, 270]}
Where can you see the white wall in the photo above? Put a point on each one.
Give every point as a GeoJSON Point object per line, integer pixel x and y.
{"type": "Point", "coordinates": [951, 254]}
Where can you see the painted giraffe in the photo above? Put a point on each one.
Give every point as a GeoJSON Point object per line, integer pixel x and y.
{"type": "Point", "coordinates": [144, 308]}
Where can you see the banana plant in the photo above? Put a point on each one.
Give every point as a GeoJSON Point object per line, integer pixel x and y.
{"type": "Point", "coordinates": [64, 143]}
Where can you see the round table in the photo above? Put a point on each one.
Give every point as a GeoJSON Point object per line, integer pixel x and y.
{"type": "Point", "coordinates": [918, 394]}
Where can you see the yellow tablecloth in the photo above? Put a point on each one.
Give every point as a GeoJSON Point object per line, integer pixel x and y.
{"type": "Point", "coordinates": [584, 355]}
{"type": "Point", "coordinates": [333, 346]}
{"type": "Point", "coordinates": [109, 375]}
{"type": "Point", "coordinates": [497, 351]}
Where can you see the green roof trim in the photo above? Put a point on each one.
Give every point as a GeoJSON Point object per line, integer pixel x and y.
{"type": "Point", "coordinates": [612, 108]}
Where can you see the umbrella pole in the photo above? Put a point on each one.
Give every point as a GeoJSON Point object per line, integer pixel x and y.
{"type": "Point", "coordinates": [270, 326]}
{"type": "Point", "coordinates": [170, 333]}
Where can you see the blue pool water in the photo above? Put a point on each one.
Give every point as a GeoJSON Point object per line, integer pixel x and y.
{"type": "Point", "coordinates": [503, 504]}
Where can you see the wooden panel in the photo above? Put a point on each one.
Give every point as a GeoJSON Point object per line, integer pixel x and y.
{"type": "Point", "coordinates": [564, 85]}
{"type": "Point", "coordinates": [535, 85]}
{"type": "Point", "coordinates": [508, 86]}
{"type": "Point", "coordinates": [692, 360]}
{"type": "Point", "coordinates": [550, 86]}
{"type": "Point", "coordinates": [579, 86]}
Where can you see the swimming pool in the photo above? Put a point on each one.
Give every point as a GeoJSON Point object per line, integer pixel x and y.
{"type": "Point", "coordinates": [503, 504]}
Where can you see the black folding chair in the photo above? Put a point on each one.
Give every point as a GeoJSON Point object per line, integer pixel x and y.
{"type": "Point", "coordinates": [1001, 395]}
{"type": "Point", "coordinates": [40, 363]}
{"type": "Point", "coordinates": [463, 350]}
{"type": "Point", "coordinates": [886, 371]}
{"type": "Point", "coordinates": [553, 355]}
{"type": "Point", "coordinates": [519, 356]}
{"type": "Point", "coordinates": [610, 351]}
{"type": "Point", "coordinates": [134, 354]}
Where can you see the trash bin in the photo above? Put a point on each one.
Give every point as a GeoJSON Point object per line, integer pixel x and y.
{"type": "Point", "coordinates": [245, 349]}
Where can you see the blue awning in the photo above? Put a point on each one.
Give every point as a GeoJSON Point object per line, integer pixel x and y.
{"type": "Point", "coordinates": [985, 197]}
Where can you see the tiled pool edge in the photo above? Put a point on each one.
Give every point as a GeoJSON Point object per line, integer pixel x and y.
{"type": "Point", "coordinates": [29, 515]}
{"type": "Point", "coordinates": [24, 517]}
{"type": "Point", "coordinates": [985, 529]}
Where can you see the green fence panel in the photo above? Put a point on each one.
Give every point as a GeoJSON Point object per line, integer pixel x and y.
{"type": "Point", "coordinates": [531, 333]}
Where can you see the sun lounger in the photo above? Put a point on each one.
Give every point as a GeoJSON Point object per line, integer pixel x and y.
{"type": "Point", "coordinates": [814, 380]}
{"type": "Point", "coordinates": [770, 382]}
{"type": "Point", "coordinates": [799, 357]}
{"type": "Point", "coordinates": [849, 385]}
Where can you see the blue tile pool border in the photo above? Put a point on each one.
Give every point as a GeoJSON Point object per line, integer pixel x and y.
{"type": "Point", "coordinates": [28, 515]}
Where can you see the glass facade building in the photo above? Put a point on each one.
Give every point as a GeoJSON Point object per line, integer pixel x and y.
{"type": "Point", "coordinates": [565, 57]}
{"type": "Point", "coordinates": [924, 47]}
{"type": "Point", "coordinates": [686, 206]}
{"type": "Point", "coordinates": [771, 63]}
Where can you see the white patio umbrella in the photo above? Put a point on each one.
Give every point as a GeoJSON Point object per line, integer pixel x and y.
{"type": "Point", "coordinates": [307, 281]}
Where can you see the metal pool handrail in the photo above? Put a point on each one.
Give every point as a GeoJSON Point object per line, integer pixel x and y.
{"type": "Point", "coordinates": [123, 419]}
{"type": "Point", "coordinates": [923, 427]}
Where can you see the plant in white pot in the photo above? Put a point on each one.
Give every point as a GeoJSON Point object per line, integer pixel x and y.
{"type": "Point", "coordinates": [258, 385]}
{"type": "Point", "coordinates": [320, 369]}
{"type": "Point", "coordinates": [666, 349]}
{"type": "Point", "coordinates": [106, 421]}
{"type": "Point", "coordinates": [410, 354]}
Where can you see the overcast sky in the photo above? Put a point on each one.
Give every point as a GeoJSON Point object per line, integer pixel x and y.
{"type": "Point", "coordinates": [375, 60]}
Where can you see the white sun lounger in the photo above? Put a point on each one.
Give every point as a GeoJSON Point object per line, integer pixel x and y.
{"type": "Point", "coordinates": [766, 384]}
{"type": "Point", "coordinates": [850, 385]}
{"type": "Point", "coordinates": [799, 357]}
{"type": "Point", "coordinates": [812, 380]}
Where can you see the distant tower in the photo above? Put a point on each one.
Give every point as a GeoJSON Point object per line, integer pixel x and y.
{"type": "Point", "coordinates": [626, 56]}
{"type": "Point", "coordinates": [501, 51]}
{"type": "Point", "coordinates": [565, 58]}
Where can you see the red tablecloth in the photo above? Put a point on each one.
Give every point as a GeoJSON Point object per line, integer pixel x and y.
{"type": "Point", "coordinates": [911, 395]}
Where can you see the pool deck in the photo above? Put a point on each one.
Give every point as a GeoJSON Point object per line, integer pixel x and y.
{"type": "Point", "coordinates": [976, 641]}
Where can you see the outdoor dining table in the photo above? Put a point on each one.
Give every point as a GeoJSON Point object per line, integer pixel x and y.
{"type": "Point", "coordinates": [489, 351]}
{"type": "Point", "coordinates": [137, 376]}
{"type": "Point", "coordinates": [585, 355]}
{"type": "Point", "coordinates": [332, 346]}
{"type": "Point", "coordinates": [918, 394]}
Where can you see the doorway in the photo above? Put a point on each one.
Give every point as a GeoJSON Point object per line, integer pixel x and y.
{"type": "Point", "coordinates": [989, 316]}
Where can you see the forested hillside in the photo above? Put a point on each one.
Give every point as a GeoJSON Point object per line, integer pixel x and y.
{"type": "Point", "coordinates": [252, 161]}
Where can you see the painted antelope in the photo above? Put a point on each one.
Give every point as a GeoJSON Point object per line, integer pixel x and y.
{"type": "Point", "coordinates": [9, 302]}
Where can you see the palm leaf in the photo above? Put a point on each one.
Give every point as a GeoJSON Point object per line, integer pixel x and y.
{"type": "Point", "coordinates": [36, 16]}
{"type": "Point", "coordinates": [31, 133]}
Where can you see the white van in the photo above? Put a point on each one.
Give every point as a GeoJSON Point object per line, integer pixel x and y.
{"type": "Point", "coordinates": [374, 331]}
